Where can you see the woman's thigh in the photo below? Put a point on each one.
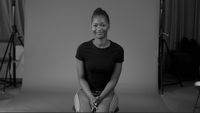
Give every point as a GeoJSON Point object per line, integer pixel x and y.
{"type": "Point", "coordinates": [109, 103]}
{"type": "Point", "coordinates": [81, 102]}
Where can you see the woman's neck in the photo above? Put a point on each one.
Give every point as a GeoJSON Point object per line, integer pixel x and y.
{"type": "Point", "coordinates": [101, 43]}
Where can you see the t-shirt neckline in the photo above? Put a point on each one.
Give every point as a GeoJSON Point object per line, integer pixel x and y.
{"type": "Point", "coordinates": [91, 41]}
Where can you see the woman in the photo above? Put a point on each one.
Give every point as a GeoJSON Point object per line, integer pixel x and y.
{"type": "Point", "coordinates": [99, 64]}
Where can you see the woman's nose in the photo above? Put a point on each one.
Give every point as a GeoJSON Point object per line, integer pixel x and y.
{"type": "Point", "coordinates": [99, 28]}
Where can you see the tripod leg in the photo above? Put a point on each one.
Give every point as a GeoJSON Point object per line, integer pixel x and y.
{"type": "Point", "coordinates": [5, 80]}
{"type": "Point", "coordinates": [6, 52]}
{"type": "Point", "coordinates": [9, 65]}
{"type": "Point", "coordinates": [9, 72]}
{"type": "Point", "coordinates": [21, 41]}
{"type": "Point", "coordinates": [13, 46]}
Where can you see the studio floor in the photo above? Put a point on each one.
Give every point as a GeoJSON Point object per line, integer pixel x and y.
{"type": "Point", "coordinates": [174, 99]}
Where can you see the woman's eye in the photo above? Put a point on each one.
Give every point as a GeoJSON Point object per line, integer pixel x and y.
{"type": "Point", "coordinates": [101, 25]}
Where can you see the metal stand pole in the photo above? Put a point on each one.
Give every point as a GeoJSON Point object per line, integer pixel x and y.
{"type": "Point", "coordinates": [11, 47]}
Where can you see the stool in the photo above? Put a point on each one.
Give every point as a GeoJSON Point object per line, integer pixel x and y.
{"type": "Point", "coordinates": [197, 85]}
{"type": "Point", "coordinates": [116, 110]}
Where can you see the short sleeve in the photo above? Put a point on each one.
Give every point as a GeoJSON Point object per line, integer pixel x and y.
{"type": "Point", "coordinates": [120, 55]}
{"type": "Point", "coordinates": [79, 53]}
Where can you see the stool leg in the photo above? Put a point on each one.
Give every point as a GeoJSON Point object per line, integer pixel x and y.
{"type": "Point", "coordinates": [195, 106]}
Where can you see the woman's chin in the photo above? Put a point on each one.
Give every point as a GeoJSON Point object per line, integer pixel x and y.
{"type": "Point", "coordinates": [99, 37]}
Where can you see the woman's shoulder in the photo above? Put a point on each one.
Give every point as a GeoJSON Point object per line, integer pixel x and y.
{"type": "Point", "coordinates": [117, 46]}
{"type": "Point", "coordinates": [85, 44]}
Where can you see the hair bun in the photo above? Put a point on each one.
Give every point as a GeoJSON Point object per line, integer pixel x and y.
{"type": "Point", "coordinates": [99, 9]}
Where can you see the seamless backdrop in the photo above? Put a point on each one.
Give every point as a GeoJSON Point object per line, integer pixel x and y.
{"type": "Point", "coordinates": [55, 28]}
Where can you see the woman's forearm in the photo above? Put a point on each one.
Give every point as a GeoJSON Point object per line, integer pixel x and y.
{"type": "Point", "coordinates": [84, 85]}
{"type": "Point", "coordinates": [113, 81]}
{"type": "Point", "coordinates": [109, 87]}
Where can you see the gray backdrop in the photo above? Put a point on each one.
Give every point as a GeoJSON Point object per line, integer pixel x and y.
{"type": "Point", "coordinates": [55, 28]}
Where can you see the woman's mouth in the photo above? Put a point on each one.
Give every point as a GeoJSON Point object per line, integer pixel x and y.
{"type": "Point", "coordinates": [99, 33]}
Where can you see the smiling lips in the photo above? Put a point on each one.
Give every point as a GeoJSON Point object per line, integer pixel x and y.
{"type": "Point", "coordinates": [99, 33]}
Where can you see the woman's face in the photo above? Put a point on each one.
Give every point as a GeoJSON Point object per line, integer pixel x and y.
{"type": "Point", "coordinates": [100, 27]}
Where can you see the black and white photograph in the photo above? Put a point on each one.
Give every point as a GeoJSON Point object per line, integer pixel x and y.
{"type": "Point", "coordinates": [100, 56]}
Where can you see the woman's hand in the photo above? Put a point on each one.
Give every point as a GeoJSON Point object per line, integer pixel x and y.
{"type": "Point", "coordinates": [92, 103]}
{"type": "Point", "coordinates": [97, 101]}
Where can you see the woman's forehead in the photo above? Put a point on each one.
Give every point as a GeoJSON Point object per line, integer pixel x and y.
{"type": "Point", "coordinates": [99, 19]}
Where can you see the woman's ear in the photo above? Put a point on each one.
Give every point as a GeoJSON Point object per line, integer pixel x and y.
{"type": "Point", "coordinates": [108, 26]}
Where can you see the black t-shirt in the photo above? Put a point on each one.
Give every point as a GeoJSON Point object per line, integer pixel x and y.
{"type": "Point", "coordinates": [99, 62]}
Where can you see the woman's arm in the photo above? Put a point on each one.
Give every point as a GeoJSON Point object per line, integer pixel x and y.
{"type": "Point", "coordinates": [81, 78]}
{"type": "Point", "coordinates": [113, 81]}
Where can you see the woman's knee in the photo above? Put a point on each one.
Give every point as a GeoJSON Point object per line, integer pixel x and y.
{"type": "Point", "coordinates": [81, 102]}
{"type": "Point", "coordinates": [104, 109]}
{"type": "Point", "coordinates": [114, 103]}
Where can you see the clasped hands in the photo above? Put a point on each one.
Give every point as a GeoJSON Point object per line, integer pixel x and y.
{"type": "Point", "coordinates": [94, 102]}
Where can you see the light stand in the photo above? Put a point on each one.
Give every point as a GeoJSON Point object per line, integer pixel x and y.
{"type": "Point", "coordinates": [160, 49]}
{"type": "Point", "coordinates": [11, 46]}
